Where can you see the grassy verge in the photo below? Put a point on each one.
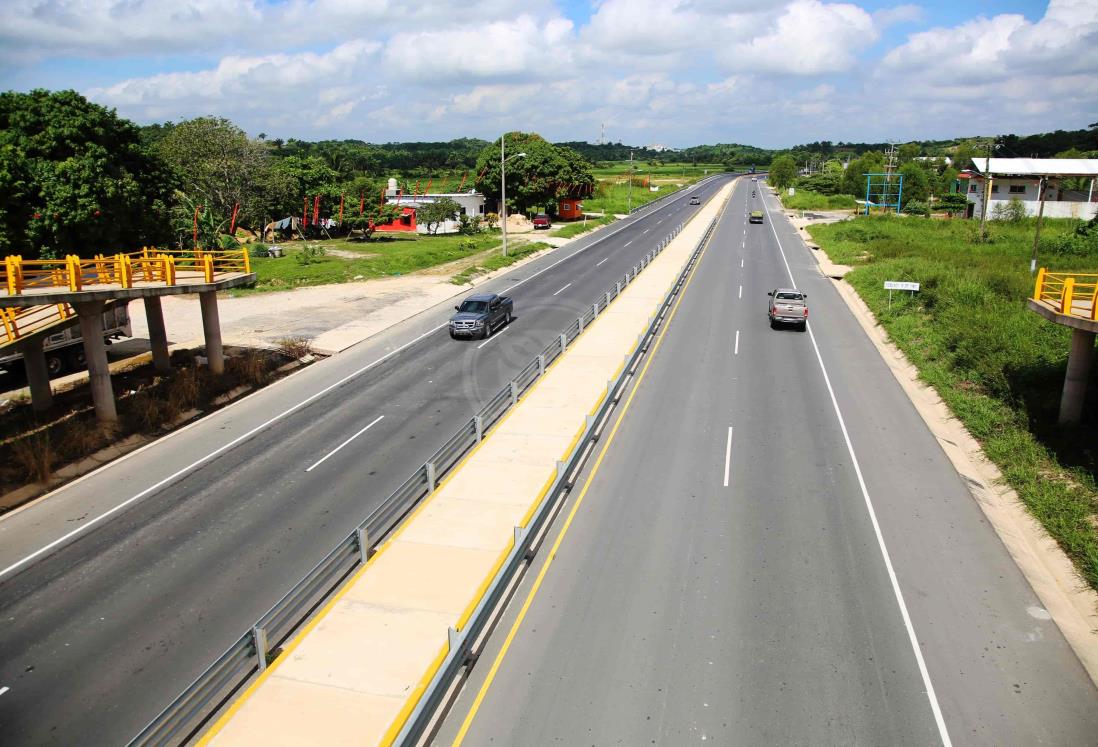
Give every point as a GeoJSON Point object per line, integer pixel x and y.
{"type": "Point", "coordinates": [575, 229]}
{"type": "Point", "coordinates": [999, 367]}
{"type": "Point", "coordinates": [342, 261]}
{"type": "Point", "coordinates": [498, 261]}
{"type": "Point", "coordinates": [806, 199]}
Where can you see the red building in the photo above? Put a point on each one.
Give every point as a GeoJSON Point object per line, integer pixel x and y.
{"type": "Point", "coordinates": [569, 209]}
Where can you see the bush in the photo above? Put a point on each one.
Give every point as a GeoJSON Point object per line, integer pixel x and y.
{"type": "Point", "coordinates": [470, 225]}
{"type": "Point", "coordinates": [1082, 242]}
{"type": "Point", "coordinates": [467, 245]}
{"type": "Point", "coordinates": [491, 220]}
{"type": "Point", "coordinates": [310, 254]}
{"type": "Point", "coordinates": [294, 347]}
{"type": "Point", "coordinates": [259, 249]}
{"type": "Point", "coordinates": [917, 208]}
{"type": "Point", "coordinates": [1010, 212]}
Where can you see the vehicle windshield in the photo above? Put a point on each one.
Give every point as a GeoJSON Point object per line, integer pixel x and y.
{"type": "Point", "coordinates": [474, 306]}
{"type": "Point", "coordinates": [789, 296]}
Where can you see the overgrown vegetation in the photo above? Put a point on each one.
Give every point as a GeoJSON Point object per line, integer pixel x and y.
{"type": "Point", "coordinates": [806, 199]}
{"type": "Point", "coordinates": [33, 446]}
{"type": "Point", "coordinates": [497, 261]}
{"type": "Point", "coordinates": [998, 366]}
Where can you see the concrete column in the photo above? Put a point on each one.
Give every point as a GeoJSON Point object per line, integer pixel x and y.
{"type": "Point", "coordinates": [1075, 383]}
{"type": "Point", "coordinates": [211, 328]}
{"type": "Point", "coordinates": [158, 334]}
{"type": "Point", "coordinates": [95, 356]}
{"type": "Point", "coordinates": [38, 375]}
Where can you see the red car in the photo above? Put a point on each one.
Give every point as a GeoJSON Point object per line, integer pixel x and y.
{"type": "Point", "coordinates": [541, 220]}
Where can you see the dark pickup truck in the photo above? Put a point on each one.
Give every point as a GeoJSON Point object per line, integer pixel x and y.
{"type": "Point", "coordinates": [480, 315]}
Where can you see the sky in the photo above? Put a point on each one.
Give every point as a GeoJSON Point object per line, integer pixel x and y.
{"type": "Point", "coordinates": [771, 73]}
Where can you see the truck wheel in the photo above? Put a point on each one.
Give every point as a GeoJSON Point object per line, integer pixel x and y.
{"type": "Point", "coordinates": [75, 358]}
{"type": "Point", "coordinates": [507, 320]}
{"type": "Point", "coordinates": [55, 364]}
{"type": "Point", "coordinates": [486, 333]}
{"type": "Point", "coordinates": [453, 336]}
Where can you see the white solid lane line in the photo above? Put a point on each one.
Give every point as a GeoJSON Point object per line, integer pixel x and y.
{"type": "Point", "coordinates": [741, 292]}
{"type": "Point", "coordinates": [324, 458]}
{"type": "Point", "coordinates": [564, 289]}
{"type": "Point", "coordinates": [294, 408]}
{"type": "Point", "coordinates": [627, 243]}
{"type": "Point", "coordinates": [741, 262]}
{"type": "Point", "coordinates": [727, 456]}
{"type": "Point", "coordinates": [4, 690]}
{"type": "Point", "coordinates": [943, 732]}
{"type": "Point", "coordinates": [599, 263]}
{"type": "Point", "coordinates": [736, 350]}
{"type": "Point", "coordinates": [495, 336]}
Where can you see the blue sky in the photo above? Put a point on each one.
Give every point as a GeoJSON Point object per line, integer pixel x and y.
{"type": "Point", "coordinates": [676, 72]}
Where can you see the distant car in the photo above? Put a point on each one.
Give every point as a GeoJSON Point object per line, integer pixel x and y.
{"type": "Point", "coordinates": [695, 200]}
{"type": "Point", "coordinates": [756, 216]}
{"type": "Point", "coordinates": [787, 306]}
{"type": "Point", "coordinates": [541, 220]}
{"type": "Point", "coordinates": [480, 315]}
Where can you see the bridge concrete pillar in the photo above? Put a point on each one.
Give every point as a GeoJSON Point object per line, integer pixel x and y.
{"type": "Point", "coordinates": [95, 356]}
{"type": "Point", "coordinates": [1075, 382]}
{"type": "Point", "coordinates": [38, 375]}
{"type": "Point", "coordinates": [211, 328]}
{"type": "Point", "coordinates": [158, 334]}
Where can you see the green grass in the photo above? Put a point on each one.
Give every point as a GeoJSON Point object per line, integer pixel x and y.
{"type": "Point", "coordinates": [998, 366]}
{"type": "Point", "coordinates": [806, 199]}
{"type": "Point", "coordinates": [498, 261]}
{"type": "Point", "coordinates": [612, 193]}
{"type": "Point", "coordinates": [575, 229]}
{"type": "Point", "coordinates": [385, 255]}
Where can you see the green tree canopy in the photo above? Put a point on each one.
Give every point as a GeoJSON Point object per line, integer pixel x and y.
{"type": "Point", "coordinates": [783, 170]}
{"type": "Point", "coordinates": [546, 173]}
{"type": "Point", "coordinates": [916, 183]}
{"type": "Point", "coordinates": [75, 178]}
{"type": "Point", "coordinates": [219, 166]}
{"type": "Point", "coordinates": [434, 213]}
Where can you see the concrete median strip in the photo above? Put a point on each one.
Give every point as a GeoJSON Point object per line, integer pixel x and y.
{"type": "Point", "coordinates": [354, 672]}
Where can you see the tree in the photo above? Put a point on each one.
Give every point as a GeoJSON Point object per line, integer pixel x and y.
{"type": "Point", "coordinates": [434, 214]}
{"type": "Point", "coordinates": [546, 173]}
{"type": "Point", "coordinates": [907, 152]}
{"type": "Point", "coordinates": [953, 202]}
{"type": "Point", "coordinates": [219, 167]}
{"type": "Point", "coordinates": [76, 179]}
{"type": "Point", "coordinates": [916, 187]}
{"type": "Point", "coordinates": [783, 170]}
{"type": "Point", "coordinates": [854, 177]}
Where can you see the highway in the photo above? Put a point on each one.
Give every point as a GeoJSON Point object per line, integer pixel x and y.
{"type": "Point", "coordinates": [189, 541]}
{"type": "Point", "coordinates": [771, 549]}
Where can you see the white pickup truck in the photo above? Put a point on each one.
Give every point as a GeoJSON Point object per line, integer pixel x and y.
{"type": "Point", "coordinates": [65, 349]}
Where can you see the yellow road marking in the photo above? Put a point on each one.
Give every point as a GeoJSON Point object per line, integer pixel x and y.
{"type": "Point", "coordinates": [579, 501]}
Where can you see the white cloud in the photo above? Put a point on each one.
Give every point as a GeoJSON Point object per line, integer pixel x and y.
{"type": "Point", "coordinates": [808, 38]}
{"type": "Point", "coordinates": [898, 14]}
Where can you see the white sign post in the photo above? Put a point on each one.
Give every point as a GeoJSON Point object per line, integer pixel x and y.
{"type": "Point", "coordinates": [901, 285]}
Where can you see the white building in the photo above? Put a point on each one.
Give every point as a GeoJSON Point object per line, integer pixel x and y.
{"type": "Point", "coordinates": [1020, 178]}
{"type": "Point", "coordinates": [471, 203]}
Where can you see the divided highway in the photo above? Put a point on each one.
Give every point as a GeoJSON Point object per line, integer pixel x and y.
{"type": "Point", "coordinates": [772, 550]}
{"type": "Point", "coordinates": [191, 540]}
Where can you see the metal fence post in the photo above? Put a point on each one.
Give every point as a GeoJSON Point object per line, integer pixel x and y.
{"type": "Point", "coordinates": [514, 393]}
{"type": "Point", "coordinates": [362, 537]}
{"type": "Point", "coordinates": [541, 365]}
{"type": "Point", "coordinates": [259, 637]}
{"type": "Point", "coordinates": [430, 477]}
{"type": "Point", "coordinates": [607, 298]}
{"type": "Point", "coordinates": [478, 420]}
{"type": "Point", "coordinates": [618, 286]}
{"type": "Point", "coordinates": [594, 310]}
{"type": "Point", "coordinates": [579, 321]}
{"type": "Point", "coordinates": [563, 342]}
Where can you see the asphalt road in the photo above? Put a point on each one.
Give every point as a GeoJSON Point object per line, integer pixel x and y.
{"type": "Point", "coordinates": [723, 579]}
{"type": "Point", "coordinates": [101, 630]}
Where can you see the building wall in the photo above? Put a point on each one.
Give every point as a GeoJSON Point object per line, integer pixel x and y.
{"type": "Point", "coordinates": [1004, 189]}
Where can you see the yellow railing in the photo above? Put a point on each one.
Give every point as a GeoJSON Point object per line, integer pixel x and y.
{"type": "Point", "coordinates": [1071, 293]}
{"type": "Point", "coordinates": [20, 322]}
{"type": "Point", "coordinates": [150, 265]}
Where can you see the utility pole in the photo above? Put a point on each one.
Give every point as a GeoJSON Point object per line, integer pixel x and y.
{"type": "Point", "coordinates": [1040, 214]}
{"type": "Point", "coordinates": [503, 189]}
{"type": "Point", "coordinates": [630, 203]}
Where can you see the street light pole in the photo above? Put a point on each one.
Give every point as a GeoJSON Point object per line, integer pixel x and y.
{"type": "Point", "coordinates": [629, 207]}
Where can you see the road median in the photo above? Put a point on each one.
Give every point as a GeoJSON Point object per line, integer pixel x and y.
{"type": "Point", "coordinates": [355, 674]}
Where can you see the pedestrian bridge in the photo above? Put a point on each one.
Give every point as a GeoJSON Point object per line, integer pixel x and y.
{"type": "Point", "coordinates": [1071, 300]}
{"type": "Point", "coordinates": [41, 297]}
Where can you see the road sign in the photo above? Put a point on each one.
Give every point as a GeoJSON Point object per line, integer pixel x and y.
{"type": "Point", "coordinates": [901, 285]}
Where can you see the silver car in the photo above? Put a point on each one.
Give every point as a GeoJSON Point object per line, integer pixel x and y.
{"type": "Point", "coordinates": [788, 306]}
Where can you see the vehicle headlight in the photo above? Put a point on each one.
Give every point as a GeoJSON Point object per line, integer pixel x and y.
{"type": "Point", "coordinates": [478, 323]}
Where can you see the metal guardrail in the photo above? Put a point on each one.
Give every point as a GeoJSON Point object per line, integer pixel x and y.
{"type": "Point", "coordinates": [1072, 293]}
{"type": "Point", "coordinates": [413, 724]}
{"type": "Point", "coordinates": [250, 654]}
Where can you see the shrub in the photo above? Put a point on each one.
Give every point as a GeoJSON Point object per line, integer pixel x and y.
{"type": "Point", "coordinates": [294, 347]}
{"type": "Point", "coordinates": [491, 219]}
{"type": "Point", "coordinates": [34, 455]}
{"type": "Point", "coordinates": [310, 254]}
{"type": "Point", "coordinates": [250, 368]}
{"type": "Point", "coordinates": [1009, 212]}
{"type": "Point", "coordinates": [915, 207]}
{"type": "Point", "coordinates": [259, 249]}
{"type": "Point", "coordinates": [467, 245]}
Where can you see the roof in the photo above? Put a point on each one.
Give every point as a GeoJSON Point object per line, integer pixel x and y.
{"type": "Point", "coordinates": [1038, 166]}
{"type": "Point", "coordinates": [481, 297]}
